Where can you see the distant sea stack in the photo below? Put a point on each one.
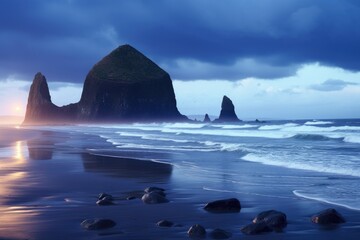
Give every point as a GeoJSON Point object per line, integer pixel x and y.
{"type": "Point", "coordinates": [206, 118]}
{"type": "Point", "coordinates": [227, 113]}
{"type": "Point", "coordinates": [125, 86]}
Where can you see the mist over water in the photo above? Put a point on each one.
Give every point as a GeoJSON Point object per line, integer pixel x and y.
{"type": "Point", "coordinates": [324, 154]}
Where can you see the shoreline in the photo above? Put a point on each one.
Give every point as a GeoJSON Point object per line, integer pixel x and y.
{"type": "Point", "coordinates": [74, 177]}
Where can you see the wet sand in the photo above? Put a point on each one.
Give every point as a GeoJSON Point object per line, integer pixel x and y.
{"type": "Point", "coordinates": [50, 182]}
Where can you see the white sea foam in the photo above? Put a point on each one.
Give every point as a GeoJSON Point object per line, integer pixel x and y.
{"type": "Point", "coordinates": [283, 161]}
{"type": "Point", "coordinates": [280, 126]}
{"type": "Point", "coordinates": [305, 128]}
{"type": "Point", "coordinates": [164, 147]}
{"type": "Point", "coordinates": [235, 126]}
{"type": "Point", "coordinates": [184, 125]}
{"type": "Point", "coordinates": [352, 139]}
{"type": "Point", "coordinates": [158, 138]}
{"type": "Point", "coordinates": [247, 193]}
{"type": "Point", "coordinates": [351, 205]}
{"type": "Point", "coordinates": [227, 133]}
{"type": "Point", "coordinates": [318, 122]}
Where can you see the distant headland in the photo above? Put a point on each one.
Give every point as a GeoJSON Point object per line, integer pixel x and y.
{"type": "Point", "coordinates": [125, 86]}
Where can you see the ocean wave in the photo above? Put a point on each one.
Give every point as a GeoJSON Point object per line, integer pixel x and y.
{"type": "Point", "coordinates": [271, 159]}
{"type": "Point", "coordinates": [313, 137]}
{"type": "Point", "coordinates": [352, 139]}
{"type": "Point", "coordinates": [276, 127]}
{"type": "Point", "coordinates": [185, 125]}
{"type": "Point", "coordinates": [318, 122]}
{"type": "Point", "coordinates": [225, 126]}
{"type": "Point", "coordinates": [227, 133]}
{"type": "Point", "coordinates": [229, 147]}
{"type": "Point", "coordinates": [158, 138]}
{"type": "Point", "coordinates": [305, 128]}
{"type": "Point", "coordinates": [245, 193]}
{"type": "Point", "coordinates": [351, 204]}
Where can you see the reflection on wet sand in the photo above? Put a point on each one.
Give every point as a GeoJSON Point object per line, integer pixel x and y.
{"type": "Point", "coordinates": [11, 169]}
{"type": "Point", "coordinates": [12, 174]}
{"type": "Point", "coordinates": [126, 167]}
{"type": "Point", "coordinates": [40, 149]}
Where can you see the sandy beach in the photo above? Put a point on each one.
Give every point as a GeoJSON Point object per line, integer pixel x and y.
{"type": "Point", "coordinates": [50, 182]}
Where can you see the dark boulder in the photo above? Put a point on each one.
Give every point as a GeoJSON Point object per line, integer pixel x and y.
{"type": "Point", "coordinates": [206, 119]}
{"type": "Point", "coordinates": [224, 206]}
{"type": "Point", "coordinates": [105, 196]}
{"type": "Point", "coordinates": [220, 234]}
{"type": "Point", "coordinates": [157, 190]}
{"type": "Point", "coordinates": [227, 113]}
{"type": "Point", "coordinates": [256, 228]}
{"type": "Point", "coordinates": [152, 189]}
{"type": "Point", "coordinates": [328, 216]}
{"type": "Point", "coordinates": [154, 198]}
{"type": "Point", "coordinates": [97, 224]}
{"type": "Point", "coordinates": [165, 223]}
{"type": "Point", "coordinates": [273, 219]}
{"type": "Point", "coordinates": [266, 221]}
{"type": "Point", "coordinates": [104, 202]}
{"type": "Point", "coordinates": [197, 232]}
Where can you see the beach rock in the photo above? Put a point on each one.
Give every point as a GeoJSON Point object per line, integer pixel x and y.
{"type": "Point", "coordinates": [152, 189]}
{"type": "Point", "coordinates": [197, 231]}
{"type": "Point", "coordinates": [206, 119]}
{"type": "Point", "coordinates": [105, 196]}
{"type": "Point", "coordinates": [328, 216]}
{"type": "Point", "coordinates": [154, 198]}
{"type": "Point", "coordinates": [131, 198]}
{"type": "Point", "coordinates": [273, 219]}
{"type": "Point", "coordinates": [227, 113]}
{"type": "Point", "coordinates": [220, 234]}
{"type": "Point", "coordinates": [256, 228]}
{"type": "Point", "coordinates": [97, 224]}
{"type": "Point", "coordinates": [104, 202]}
{"type": "Point", "coordinates": [165, 223]}
{"type": "Point", "coordinates": [125, 86]}
{"type": "Point", "coordinates": [224, 206]}
{"type": "Point", "coordinates": [159, 191]}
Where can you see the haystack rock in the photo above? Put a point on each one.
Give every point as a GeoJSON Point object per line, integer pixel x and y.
{"type": "Point", "coordinates": [227, 113]}
{"type": "Point", "coordinates": [125, 86]}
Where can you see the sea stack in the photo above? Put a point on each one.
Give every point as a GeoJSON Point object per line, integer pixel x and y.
{"type": "Point", "coordinates": [227, 113]}
{"type": "Point", "coordinates": [39, 105]}
{"type": "Point", "coordinates": [125, 86]}
{"type": "Point", "coordinates": [206, 119]}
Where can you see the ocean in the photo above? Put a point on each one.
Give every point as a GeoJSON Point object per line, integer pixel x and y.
{"type": "Point", "coordinates": [317, 160]}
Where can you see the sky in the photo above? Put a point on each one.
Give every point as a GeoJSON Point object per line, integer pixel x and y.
{"type": "Point", "coordinates": [276, 59]}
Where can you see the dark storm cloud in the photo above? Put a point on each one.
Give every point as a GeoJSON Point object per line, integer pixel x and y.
{"type": "Point", "coordinates": [190, 39]}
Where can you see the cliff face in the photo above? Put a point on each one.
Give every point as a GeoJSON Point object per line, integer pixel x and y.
{"type": "Point", "coordinates": [124, 86]}
{"type": "Point", "coordinates": [227, 113]}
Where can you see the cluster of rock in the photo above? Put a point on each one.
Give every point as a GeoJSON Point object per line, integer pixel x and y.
{"type": "Point", "coordinates": [124, 86]}
{"type": "Point", "coordinates": [154, 195]}
{"type": "Point", "coordinates": [266, 221]}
